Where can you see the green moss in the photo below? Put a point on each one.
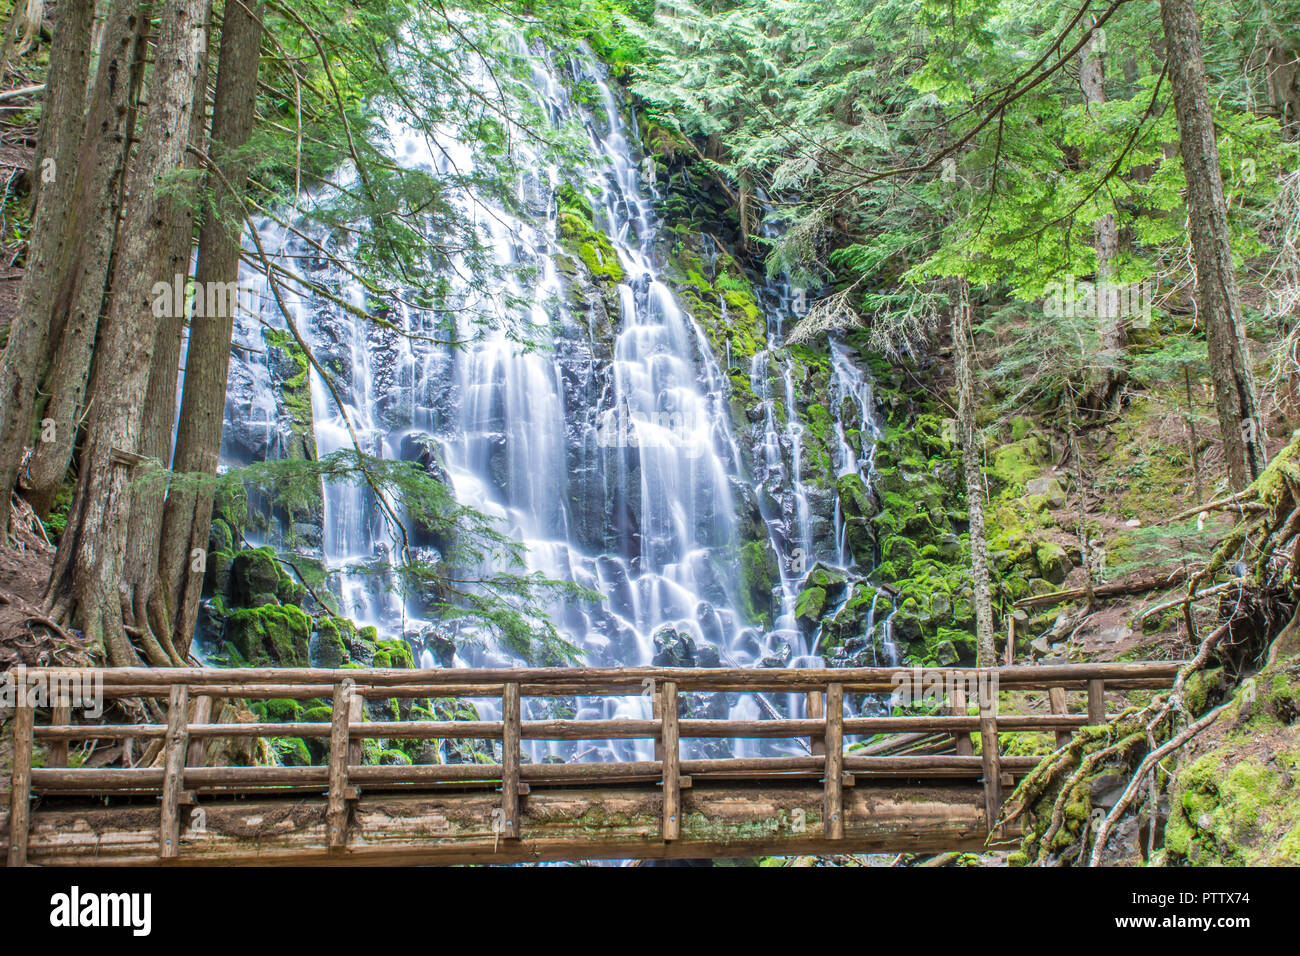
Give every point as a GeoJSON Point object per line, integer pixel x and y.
{"type": "Point", "coordinates": [810, 604]}
{"type": "Point", "coordinates": [759, 574]}
{"type": "Point", "coordinates": [579, 236]}
{"type": "Point", "coordinates": [393, 653]}
{"type": "Point", "coordinates": [295, 391]}
{"type": "Point", "coordinates": [270, 636]}
{"type": "Point", "coordinates": [292, 752]}
{"type": "Point", "coordinates": [1013, 465]}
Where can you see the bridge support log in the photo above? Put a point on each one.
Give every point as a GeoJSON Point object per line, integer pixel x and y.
{"type": "Point", "coordinates": [510, 718]}
{"type": "Point", "coordinates": [833, 797]}
{"type": "Point", "coordinates": [988, 701]}
{"type": "Point", "coordinates": [1056, 701]}
{"type": "Point", "coordinates": [21, 779]}
{"type": "Point", "coordinates": [717, 820]}
{"type": "Point", "coordinates": [178, 742]}
{"type": "Point", "coordinates": [338, 805]}
{"type": "Point", "coordinates": [958, 709]}
{"type": "Point", "coordinates": [672, 758]}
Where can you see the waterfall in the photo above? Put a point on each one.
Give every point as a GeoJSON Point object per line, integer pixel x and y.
{"type": "Point", "coordinates": [612, 459]}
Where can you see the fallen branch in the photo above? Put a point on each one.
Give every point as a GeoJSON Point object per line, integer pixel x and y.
{"type": "Point", "coordinates": [1148, 583]}
{"type": "Point", "coordinates": [1239, 498]}
{"type": "Point", "coordinates": [1217, 589]}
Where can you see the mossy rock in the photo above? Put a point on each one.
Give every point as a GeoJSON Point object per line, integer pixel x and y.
{"type": "Point", "coordinates": [810, 604]}
{"type": "Point", "coordinates": [270, 636]}
{"type": "Point", "coordinates": [759, 575]}
{"type": "Point", "coordinates": [329, 648]}
{"type": "Point", "coordinates": [1013, 465]}
{"type": "Point", "coordinates": [253, 572]}
{"type": "Point", "coordinates": [393, 653]}
{"type": "Point", "coordinates": [901, 552]}
{"type": "Point", "coordinates": [1052, 562]}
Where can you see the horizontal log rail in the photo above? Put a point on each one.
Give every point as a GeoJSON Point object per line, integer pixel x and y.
{"type": "Point", "coordinates": [177, 775]}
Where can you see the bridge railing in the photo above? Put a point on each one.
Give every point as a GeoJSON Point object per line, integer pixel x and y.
{"type": "Point", "coordinates": [189, 694]}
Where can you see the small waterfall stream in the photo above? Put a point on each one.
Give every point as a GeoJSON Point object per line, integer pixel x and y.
{"type": "Point", "coordinates": [613, 459]}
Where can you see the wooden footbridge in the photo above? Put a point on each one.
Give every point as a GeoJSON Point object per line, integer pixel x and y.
{"type": "Point", "coordinates": [919, 788]}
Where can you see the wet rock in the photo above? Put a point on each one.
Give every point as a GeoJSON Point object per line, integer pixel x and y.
{"type": "Point", "coordinates": [831, 580]}
{"type": "Point", "coordinates": [809, 607]}
{"type": "Point", "coordinates": [439, 643]}
{"type": "Point", "coordinates": [673, 648]}
{"type": "Point", "coordinates": [254, 573]}
{"type": "Point", "coordinates": [779, 657]}
{"type": "Point", "coordinates": [706, 655]}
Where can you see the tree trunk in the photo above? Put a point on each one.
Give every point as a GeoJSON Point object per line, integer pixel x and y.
{"type": "Point", "coordinates": [60, 137]}
{"type": "Point", "coordinates": [1110, 322]}
{"type": "Point", "coordinates": [187, 518]}
{"type": "Point", "coordinates": [964, 348]}
{"type": "Point", "coordinates": [93, 222]}
{"type": "Point", "coordinates": [64, 107]}
{"type": "Point", "coordinates": [150, 612]}
{"type": "Point", "coordinates": [1207, 216]}
{"type": "Point", "coordinates": [87, 587]}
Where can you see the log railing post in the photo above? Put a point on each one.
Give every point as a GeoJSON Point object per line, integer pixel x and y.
{"type": "Point", "coordinates": [176, 746]}
{"type": "Point", "coordinates": [816, 711]}
{"type": "Point", "coordinates": [356, 715]}
{"type": "Point", "coordinates": [21, 779]}
{"type": "Point", "coordinates": [336, 815]}
{"type": "Point", "coordinates": [1056, 701]}
{"type": "Point", "coordinates": [59, 749]}
{"type": "Point", "coordinates": [958, 709]}
{"type": "Point", "coordinates": [510, 736]}
{"type": "Point", "coordinates": [833, 796]}
{"type": "Point", "coordinates": [672, 822]}
{"type": "Point", "coordinates": [988, 701]}
{"type": "Point", "coordinates": [1096, 701]}
{"type": "Point", "coordinates": [195, 757]}
{"type": "Point", "coordinates": [657, 713]}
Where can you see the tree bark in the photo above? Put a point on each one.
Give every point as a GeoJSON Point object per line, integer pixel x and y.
{"type": "Point", "coordinates": [187, 518]}
{"type": "Point", "coordinates": [64, 107]}
{"type": "Point", "coordinates": [150, 612]}
{"type": "Point", "coordinates": [964, 348]}
{"type": "Point", "coordinates": [93, 223]}
{"type": "Point", "coordinates": [88, 581]}
{"type": "Point", "coordinates": [1110, 322]}
{"type": "Point", "coordinates": [59, 139]}
{"type": "Point", "coordinates": [1207, 216]}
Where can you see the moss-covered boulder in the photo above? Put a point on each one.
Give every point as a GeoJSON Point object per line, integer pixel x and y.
{"type": "Point", "coordinates": [254, 574]}
{"type": "Point", "coordinates": [271, 635]}
{"type": "Point", "coordinates": [393, 653]}
{"type": "Point", "coordinates": [1052, 562]}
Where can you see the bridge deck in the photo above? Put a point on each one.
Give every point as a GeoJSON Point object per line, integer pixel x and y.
{"type": "Point", "coordinates": [892, 793]}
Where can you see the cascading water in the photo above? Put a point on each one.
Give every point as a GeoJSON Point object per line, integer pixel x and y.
{"type": "Point", "coordinates": [613, 459]}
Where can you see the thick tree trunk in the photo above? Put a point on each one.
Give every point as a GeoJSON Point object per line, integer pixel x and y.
{"type": "Point", "coordinates": [64, 107]}
{"type": "Point", "coordinates": [1207, 216]}
{"type": "Point", "coordinates": [150, 612]}
{"type": "Point", "coordinates": [92, 223]}
{"type": "Point", "coordinates": [964, 349]}
{"type": "Point", "coordinates": [88, 584]}
{"type": "Point", "coordinates": [60, 136]}
{"type": "Point", "coordinates": [187, 518]}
